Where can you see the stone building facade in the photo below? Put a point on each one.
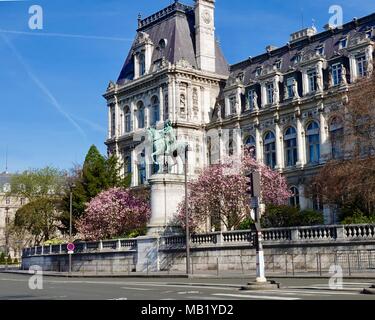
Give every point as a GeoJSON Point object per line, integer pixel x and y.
{"type": "Point", "coordinates": [8, 207]}
{"type": "Point", "coordinates": [286, 103]}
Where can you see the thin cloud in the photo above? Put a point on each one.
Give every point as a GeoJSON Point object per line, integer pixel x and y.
{"type": "Point", "coordinates": [91, 124]}
{"type": "Point", "coordinates": [42, 87]}
{"type": "Point", "coordinates": [64, 35]}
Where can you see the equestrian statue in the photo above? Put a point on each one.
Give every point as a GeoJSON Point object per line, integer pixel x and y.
{"type": "Point", "coordinates": [165, 145]}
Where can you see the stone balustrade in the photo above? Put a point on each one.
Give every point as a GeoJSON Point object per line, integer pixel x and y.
{"type": "Point", "coordinates": [274, 236]}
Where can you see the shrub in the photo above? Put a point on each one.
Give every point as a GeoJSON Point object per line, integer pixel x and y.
{"type": "Point", "coordinates": [15, 261]}
{"type": "Point", "coordinates": [280, 217]}
{"type": "Point", "coordinates": [311, 218]}
{"type": "Point", "coordinates": [2, 258]}
{"type": "Point", "coordinates": [358, 218]}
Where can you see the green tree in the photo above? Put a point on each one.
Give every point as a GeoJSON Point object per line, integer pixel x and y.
{"type": "Point", "coordinates": [2, 258]}
{"type": "Point", "coordinates": [40, 217]}
{"type": "Point", "coordinates": [97, 174]}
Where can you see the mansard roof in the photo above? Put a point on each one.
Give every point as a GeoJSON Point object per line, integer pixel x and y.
{"type": "Point", "coordinates": [175, 24]}
{"type": "Point", "coordinates": [306, 47]}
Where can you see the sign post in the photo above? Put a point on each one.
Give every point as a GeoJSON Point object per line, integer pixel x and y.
{"type": "Point", "coordinates": [70, 247]}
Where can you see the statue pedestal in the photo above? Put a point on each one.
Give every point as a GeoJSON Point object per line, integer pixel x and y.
{"type": "Point", "coordinates": [167, 191]}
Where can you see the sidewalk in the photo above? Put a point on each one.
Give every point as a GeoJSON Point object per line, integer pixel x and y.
{"type": "Point", "coordinates": [222, 275]}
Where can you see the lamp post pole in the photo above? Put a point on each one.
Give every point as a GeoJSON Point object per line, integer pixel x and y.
{"type": "Point", "coordinates": [70, 227]}
{"type": "Point", "coordinates": [187, 215]}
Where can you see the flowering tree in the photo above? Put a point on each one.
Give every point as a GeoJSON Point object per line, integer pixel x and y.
{"type": "Point", "coordinates": [113, 213]}
{"type": "Point", "coordinates": [219, 193]}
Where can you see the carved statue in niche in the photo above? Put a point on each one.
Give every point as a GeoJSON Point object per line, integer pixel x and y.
{"type": "Point", "coordinates": [343, 75]}
{"type": "Point", "coordinates": [182, 103]}
{"type": "Point", "coordinates": [319, 80]}
{"type": "Point", "coordinates": [295, 89]}
{"type": "Point", "coordinates": [276, 93]}
{"type": "Point", "coordinates": [195, 99]}
{"type": "Point", "coordinates": [370, 65]}
{"type": "Point", "coordinates": [255, 101]}
{"type": "Point", "coordinates": [330, 79]}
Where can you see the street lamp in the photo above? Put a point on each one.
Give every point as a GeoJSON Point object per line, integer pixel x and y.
{"type": "Point", "coordinates": [187, 214]}
{"type": "Point", "coordinates": [71, 187]}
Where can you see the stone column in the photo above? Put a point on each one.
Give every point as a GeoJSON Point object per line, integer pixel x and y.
{"type": "Point", "coordinates": [161, 103]}
{"type": "Point", "coordinates": [170, 100]}
{"type": "Point", "coordinates": [258, 145]}
{"type": "Point", "coordinates": [189, 103]}
{"type": "Point", "coordinates": [239, 102]}
{"type": "Point", "coordinates": [238, 138]}
{"type": "Point", "coordinates": [353, 68]}
{"type": "Point", "coordinates": [324, 140]}
{"type": "Point", "coordinates": [134, 168]}
{"type": "Point", "coordinates": [300, 144]}
{"type": "Point", "coordinates": [263, 94]}
{"type": "Point", "coordinates": [117, 118]}
{"type": "Point", "coordinates": [109, 121]}
{"type": "Point", "coordinates": [227, 106]}
{"type": "Point", "coordinates": [177, 101]}
{"type": "Point", "coordinates": [279, 147]}
{"type": "Point", "coordinates": [303, 202]}
{"type": "Point", "coordinates": [305, 85]}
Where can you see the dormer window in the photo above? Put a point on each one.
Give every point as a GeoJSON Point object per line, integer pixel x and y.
{"type": "Point", "coordinates": [277, 64]}
{"type": "Point", "coordinates": [343, 43]}
{"type": "Point", "coordinates": [297, 58]}
{"type": "Point", "coordinates": [369, 34]}
{"type": "Point", "coordinates": [320, 50]}
{"type": "Point", "coordinates": [258, 71]}
{"type": "Point", "coordinates": [6, 187]}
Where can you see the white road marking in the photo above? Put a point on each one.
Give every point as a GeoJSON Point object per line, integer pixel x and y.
{"type": "Point", "coordinates": [188, 292]}
{"type": "Point", "coordinates": [314, 292]}
{"type": "Point", "coordinates": [139, 289]}
{"type": "Point", "coordinates": [246, 296]}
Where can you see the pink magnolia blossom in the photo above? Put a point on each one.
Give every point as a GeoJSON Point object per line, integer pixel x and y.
{"type": "Point", "coordinates": [113, 213]}
{"type": "Point", "coordinates": [220, 193]}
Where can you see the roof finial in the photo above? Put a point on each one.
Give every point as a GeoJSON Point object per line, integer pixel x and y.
{"type": "Point", "coordinates": [139, 20]}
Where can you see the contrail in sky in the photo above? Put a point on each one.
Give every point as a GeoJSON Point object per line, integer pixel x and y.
{"type": "Point", "coordinates": [64, 35]}
{"type": "Point", "coordinates": [42, 87]}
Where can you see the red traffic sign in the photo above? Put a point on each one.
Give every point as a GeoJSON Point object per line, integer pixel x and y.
{"type": "Point", "coordinates": [70, 246]}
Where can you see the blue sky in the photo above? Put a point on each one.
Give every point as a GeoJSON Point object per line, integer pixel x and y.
{"type": "Point", "coordinates": [52, 80]}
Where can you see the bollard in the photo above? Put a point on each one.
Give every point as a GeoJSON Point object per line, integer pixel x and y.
{"type": "Point", "coordinates": [286, 263]}
{"type": "Point", "coordinates": [350, 272]}
{"type": "Point", "coordinates": [293, 264]}
{"type": "Point", "coordinates": [217, 263]}
{"type": "Point", "coordinates": [192, 265]}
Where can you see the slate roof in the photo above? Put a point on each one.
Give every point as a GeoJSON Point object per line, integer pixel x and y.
{"type": "Point", "coordinates": [174, 23]}
{"type": "Point", "coordinates": [330, 39]}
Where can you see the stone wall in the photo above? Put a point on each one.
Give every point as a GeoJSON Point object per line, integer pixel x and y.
{"type": "Point", "coordinates": [289, 249]}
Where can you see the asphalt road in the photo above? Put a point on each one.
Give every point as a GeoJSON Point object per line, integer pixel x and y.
{"type": "Point", "coordinates": [16, 287]}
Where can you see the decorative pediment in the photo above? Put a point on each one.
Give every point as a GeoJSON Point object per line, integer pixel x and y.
{"type": "Point", "coordinates": [111, 86]}
{"type": "Point", "coordinates": [142, 39]}
{"type": "Point", "coordinates": [357, 39]}
{"type": "Point", "coordinates": [183, 63]}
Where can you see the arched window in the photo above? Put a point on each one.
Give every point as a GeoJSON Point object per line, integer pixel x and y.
{"type": "Point", "coordinates": [313, 142]}
{"type": "Point", "coordinates": [251, 145]}
{"type": "Point", "coordinates": [127, 119]}
{"type": "Point", "coordinates": [155, 111]}
{"type": "Point", "coordinates": [270, 150]}
{"type": "Point", "coordinates": [141, 115]}
{"type": "Point", "coordinates": [336, 130]}
{"type": "Point", "coordinates": [294, 199]}
{"type": "Point", "coordinates": [290, 145]}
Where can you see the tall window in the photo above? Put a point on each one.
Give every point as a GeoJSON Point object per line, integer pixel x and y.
{"type": "Point", "coordinates": [231, 142]}
{"type": "Point", "coordinates": [269, 89]}
{"type": "Point", "coordinates": [336, 74]}
{"type": "Point", "coordinates": [270, 150]}
{"type": "Point", "coordinates": [127, 119]}
{"type": "Point", "coordinates": [155, 110]}
{"type": "Point", "coordinates": [251, 145]}
{"type": "Point", "coordinates": [113, 126]}
{"type": "Point", "coordinates": [289, 87]}
{"type": "Point", "coordinates": [232, 104]}
{"type": "Point", "coordinates": [311, 75]}
{"type": "Point", "coordinates": [313, 142]}
{"type": "Point", "coordinates": [142, 169]}
{"type": "Point", "coordinates": [337, 137]}
{"type": "Point", "coordinates": [290, 143]}
{"type": "Point", "coordinates": [142, 64]}
{"type": "Point", "coordinates": [128, 164]}
{"type": "Point", "coordinates": [361, 65]}
{"type": "Point", "coordinates": [141, 115]}
{"type": "Point", "coordinates": [294, 199]}
{"type": "Point", "coordinates": [343, 43]}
